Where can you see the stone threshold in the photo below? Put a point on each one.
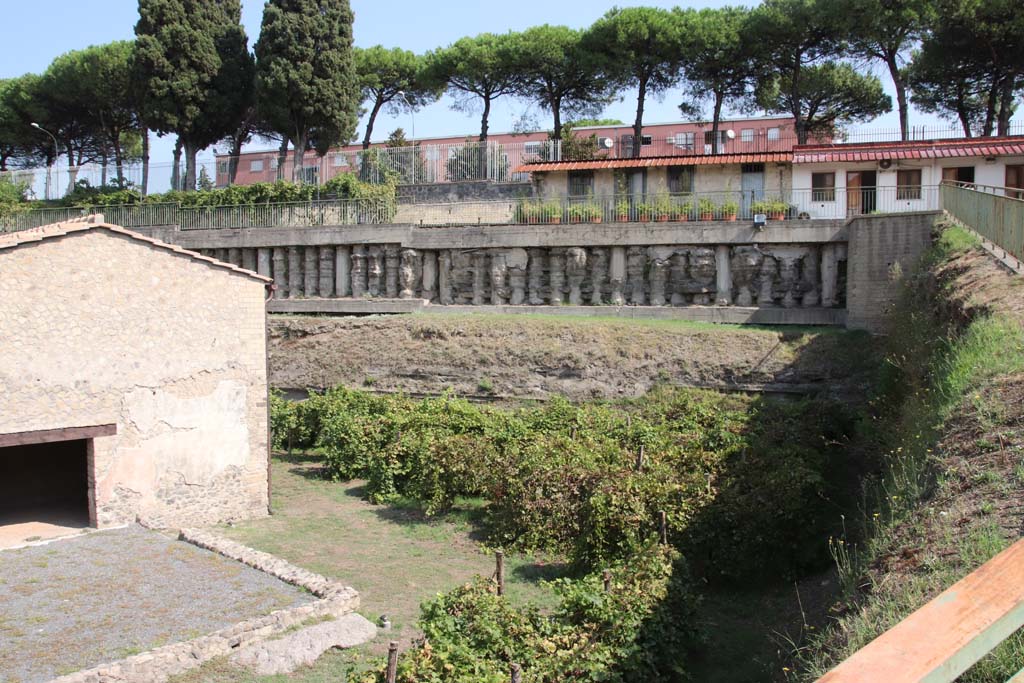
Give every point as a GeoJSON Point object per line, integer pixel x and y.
{"type": "Point", "coordinates": [158, 665]}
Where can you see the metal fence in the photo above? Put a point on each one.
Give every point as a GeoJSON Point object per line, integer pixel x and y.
{"type": "Point", "coordinates": [657, 207]}
{"type": "Point", "coordinates": [995, 213]}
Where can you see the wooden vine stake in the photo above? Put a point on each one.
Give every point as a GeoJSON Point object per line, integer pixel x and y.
{"type": "Point", "coordinates": [607, 575]}
{"type": "Point", "coordinates": [640, 459]}
{"type": "Point", "coordinates": [499, 571]}
{"type": "Point", "coordinates": [663, 527]}
{"type": "Point", "coordinates": [517, 674]}
{"type": "Point", "coordinates": [392, 661]}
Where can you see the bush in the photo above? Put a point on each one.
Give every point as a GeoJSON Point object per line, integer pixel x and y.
{"type": "Point", "coordinates": [637, 631]}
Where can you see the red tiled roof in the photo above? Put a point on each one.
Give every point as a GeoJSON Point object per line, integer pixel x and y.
{"type": "Point", "coordinates": [95, 222]}
{"type": "Point", "coordinates": [646, 162]}
{"type": "Point", "coordinates": [913, 149]}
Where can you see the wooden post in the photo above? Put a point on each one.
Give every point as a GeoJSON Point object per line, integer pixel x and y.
{"type": "Point", "coordinates": [640, 459]}
{"type": "Point", "coordinates": [517, 674]}
{"type": "Point", "coordinates": [607, 580]}
{"type": "Point", "coordinates": [392, 661]}
{"type": "Point", "coordinates": [499, 571]}
{"type": "Point", "coordinates": [663, 527]}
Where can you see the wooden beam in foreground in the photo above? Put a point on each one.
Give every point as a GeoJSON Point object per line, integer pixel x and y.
{"type": "Point", "coordinates": [944, 638]}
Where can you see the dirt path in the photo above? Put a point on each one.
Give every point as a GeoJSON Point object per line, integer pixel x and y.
{"type": "Point", "coordinates": [540, 356]}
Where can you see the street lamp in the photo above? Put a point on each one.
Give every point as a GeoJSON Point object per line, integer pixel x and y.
{"type": "Point", "coordinates": [56, 155]}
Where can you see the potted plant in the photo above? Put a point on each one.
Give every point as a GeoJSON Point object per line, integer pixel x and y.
{"type": "Point", "coordinates": [622, 210]}
{"type": "Point", "coordinates": [662, 208]}
{"type": "Point", "coordinates": [681, 211]}
{"type": "Point", "coordinates": [592, 213]}
{"type": "Point", "coordinates": [706, 209]}
{"type": "Point", "coordinates": [777, 210]}
{"type": "Point", "coordinates": [574, 212]}
{"type": "Point", "coordinates": [551, 212]}
{"type": "Point", "coordinates": [527, 211]}
{"type": "Point", "coordinates": [643, 212]}
{"type": "Point", "coordinates": [761, 206]}
{"type": "Point", "coordinates": [730, 210]}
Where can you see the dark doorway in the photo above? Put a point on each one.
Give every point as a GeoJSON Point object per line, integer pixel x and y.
{"type": "Point", "coordinates": [861, 195]}
{"type": "Point", "coordinates": [45, 484]}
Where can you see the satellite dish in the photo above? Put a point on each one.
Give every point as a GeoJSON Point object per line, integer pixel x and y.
{"type": "Point", "coordinates": [885, 164]}
{"type": "Point", "coordinates": [607, 143]}
{"type": "Point", "coordinates": [731, 134]}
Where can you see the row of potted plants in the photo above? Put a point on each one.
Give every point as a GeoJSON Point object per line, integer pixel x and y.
{"type": "Point", "coordinates": [774, 208]}
{"type": "Point", "coordinates": [661, 208]}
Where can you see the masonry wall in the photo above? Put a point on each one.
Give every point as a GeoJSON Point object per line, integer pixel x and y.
{"type": "Point", "coordinates": [99, 328]}
{"type": "Point", "coordinates": [881, 248]}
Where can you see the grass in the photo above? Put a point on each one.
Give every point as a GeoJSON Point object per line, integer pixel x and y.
{"type": "Point", "coordinates": [393, 555]}
{"type": "Point", "coordinates": [950, 480]}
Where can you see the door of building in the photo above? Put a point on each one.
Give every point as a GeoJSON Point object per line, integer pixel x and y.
{"type": "Point", "coordinates": [1015, 180]}
{"type": "Point", "coordinates": [861, 193]}
{"type": "Point", "coordinates": [752, 185]}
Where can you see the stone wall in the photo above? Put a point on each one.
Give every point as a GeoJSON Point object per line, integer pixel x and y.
{"type": "Point", "coordinates": [101, 328]}
{"type": "Point", "coordinates": [788, 266]}
{"type": "Point", "coordinates": [882, 248]}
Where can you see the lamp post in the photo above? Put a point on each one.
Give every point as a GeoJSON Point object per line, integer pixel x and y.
{"type": "Point", "coordinates": [412, 113]}
{"type": "Point", "coordinates": [56, 155]}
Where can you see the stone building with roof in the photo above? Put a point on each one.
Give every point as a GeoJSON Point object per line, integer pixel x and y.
{"type": "Point", "coordinates": [133, 382]}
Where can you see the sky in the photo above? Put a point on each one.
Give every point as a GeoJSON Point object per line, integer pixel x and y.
{"type": "Point", "coordinates": [56, 26]}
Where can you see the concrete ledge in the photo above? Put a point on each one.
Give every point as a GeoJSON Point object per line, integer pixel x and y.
{"type": "Point", "coordinates": [735, 315]}
{"type": "Point", "coordinates": [345, 306]}
{"type": "Point", "coordinates": [504, 235]}
{"type": "Point", "coordinates": [713, 314]}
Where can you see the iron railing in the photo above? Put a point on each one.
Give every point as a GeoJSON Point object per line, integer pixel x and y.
{"type": "Point", "coordinates": [995, 213]}
{"type": "Point", "coordinates": [652, 207]}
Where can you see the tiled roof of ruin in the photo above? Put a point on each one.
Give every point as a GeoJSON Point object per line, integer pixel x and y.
{"type": "Point", "coordinates": [96, 222]}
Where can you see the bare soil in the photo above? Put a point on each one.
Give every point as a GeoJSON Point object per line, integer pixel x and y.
{"type": "Point", "coordinates": [535, 357]}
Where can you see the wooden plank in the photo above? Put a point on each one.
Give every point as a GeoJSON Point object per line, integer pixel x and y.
{"type": "Point", "coordinates": [52, 435]}
{"type": "Point", "coordinates": [944, 638]}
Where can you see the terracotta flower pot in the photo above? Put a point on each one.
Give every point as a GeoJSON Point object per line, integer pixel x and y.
{"type": "Point", "coordinates": [707, 216]}
{"type": "Point", "coordinates": [595, 220]}
{"type": "Point", "coordinates": [662, 218]}
{"type": "Point", "coordinates": [730, 217]}
{"type": "Point", "coordinates": [777, 216]}
{"type": "Point", "coordinates": [622, 217]}
{"type": "Point", "coordinates": [644, 217]}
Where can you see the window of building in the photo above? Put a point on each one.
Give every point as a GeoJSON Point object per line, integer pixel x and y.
{"type": "Point", "coordinates": [581, 183]}
{"type": "Point", "coordinates": [684, 140]}
{"type": "Point", "coordinates": [680, 179]}
{"type": "Point", "coordinates": [823, 187]}
{"type": "Point", "coordinates": [339, 160]}
{"type": "Point", "coordinates": [958, 174]}
{"type": "Point", "coordinates": [222, 167]}
{"type": "Point", "coordinates": [256, 166]}
{"type": "Point", "coordinates": [747, 135]}
{"type": "Point", "coordinates": [1015, 179]}
{"type": "Point", "coordinates": [908, 184]}
{"type": "Point", "coordinates": [710, 146]}
{"type": "Point", "coordinates": [773, 133]}
{"type": "Point", "coordinates": [645, 140]}
{"type": "Point", "coordinates": [273, 163]}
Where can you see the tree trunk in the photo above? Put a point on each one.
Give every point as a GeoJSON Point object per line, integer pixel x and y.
{"type": "Point", "coordinates": [282, 156]}
{"type": "Point", "coordinates": [901, 95]}
{"type": "Point", "coordinates": [990, 110]}
{"type": "Point", "coordinates": [72, 170]}
{"type": "Point", "coordinates": [1006, 105]}
{"type": "Point", "coordinates": [103, 169]}
{"type": "Point", "coordinates": [176, 170]}
{"type": "Point", "coordinates": [715, 120]}
{"type": "Point", "coordinates": [481, 168]}
{"type": "Point", "coordinates": [297, 156]}
{"type": "Point", "coordinates": [145, 161]}
{"type": "Point", "coordinates": [556, 111]}
{"type": "Point", "coordinates": [191, 150]}
{"type": "Point", "coordinates": [638, 123]}
{"type": "Point", "coordinates": [233, 157]}
{"type": "Point", "coordinates": [369, 123]}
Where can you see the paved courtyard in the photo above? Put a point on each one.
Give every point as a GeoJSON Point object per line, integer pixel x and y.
{"type": "Point", "coordinates": [80, 602]}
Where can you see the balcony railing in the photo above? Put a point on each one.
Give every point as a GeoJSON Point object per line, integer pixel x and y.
{"type": "Point", "coordinates": [996, 213]}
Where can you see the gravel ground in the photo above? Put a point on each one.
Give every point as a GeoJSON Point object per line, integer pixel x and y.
{"type": "Point", "coordinates": [81, 602]}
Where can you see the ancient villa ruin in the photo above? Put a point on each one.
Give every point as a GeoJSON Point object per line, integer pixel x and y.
{"type": "Point", "coordinates": [134, 382]}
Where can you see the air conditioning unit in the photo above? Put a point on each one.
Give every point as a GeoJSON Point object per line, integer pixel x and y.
{"type": "Point", "coordinates": [885, 164]}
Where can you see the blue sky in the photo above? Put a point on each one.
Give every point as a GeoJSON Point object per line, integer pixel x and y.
{"type": "Point", "coordinates": [44, 30]}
